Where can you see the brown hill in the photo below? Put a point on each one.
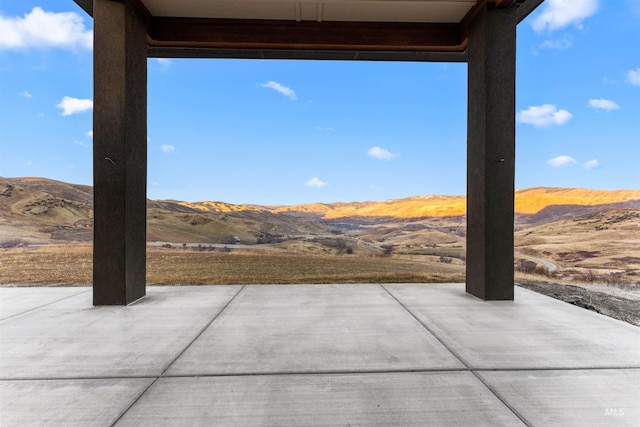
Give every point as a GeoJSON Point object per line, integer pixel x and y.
{"type": "Point", "coordinates": [410, 207]}
{"type": "Point", "coordinates": [605, 240]}
{"type": "Point", "coordinates": [43, 210]}
{"type": "Point", "coordinates": [558, 212]}
{"type": "Point", "coordinates": [39, 210]}
{"type": "Point", "coordinates": [222, 207]}
{"type": "Point", "coordinates": [533, 200]}
{"type": "Point", "coordinates": [527, 202]}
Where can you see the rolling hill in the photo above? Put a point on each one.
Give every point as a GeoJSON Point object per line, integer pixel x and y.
{"type": "Point", "coordinates": [528, 202]}
{"type": "Point", "coordinates": [39, 210]}
{"type": "Point", "coordinates": [605, 240]}
{"type": "Point", "coordinates": [591, 236]}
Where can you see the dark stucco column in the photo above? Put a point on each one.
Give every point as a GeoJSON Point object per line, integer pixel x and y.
{"type": "Point", "coordinates": [491, 153]}
{"type": "Point", "coordinates": [119, 152]}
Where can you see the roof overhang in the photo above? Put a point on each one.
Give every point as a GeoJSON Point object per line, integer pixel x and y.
{"type": "Point", "coordinates": [385, 30]}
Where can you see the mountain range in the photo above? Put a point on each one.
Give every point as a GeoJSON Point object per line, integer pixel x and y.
{"type": "Point", "coordinates": [40, 210]}
{"type": "Point", "coordinates": [531, 201]}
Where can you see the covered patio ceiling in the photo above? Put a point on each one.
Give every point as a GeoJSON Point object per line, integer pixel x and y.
{"type": "Point", "coordinates": [386, 30]}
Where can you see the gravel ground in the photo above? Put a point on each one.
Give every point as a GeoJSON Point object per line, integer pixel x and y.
{"type": "Point", "coordinates": [621, 302]}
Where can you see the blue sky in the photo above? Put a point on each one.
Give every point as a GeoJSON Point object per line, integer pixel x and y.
{"type": "Point", "coordinates": [288, 132]}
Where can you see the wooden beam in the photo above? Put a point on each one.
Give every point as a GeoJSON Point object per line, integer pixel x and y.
{"type": "Point", "coordinates": [328, 55]}
{"type": "Point", "coordinates": [525, 7]}
{"type": "Point", "coordinates": [482, 5]}
{"type": "Point", "coordinates": [142, 9]}
{"type": "Point", "coordinates": [119, 152]}
{"type": "Point", "coordinates": [491, 136]}
{"type": "Point", "coordinates": [308, 35]}
{"type": "Point", "coordinates": [504, 3]}
{"type": "Point", "coordinates": [86, 5]}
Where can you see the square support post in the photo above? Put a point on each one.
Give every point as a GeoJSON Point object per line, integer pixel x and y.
{"type": "Point", "coordinates": [491, 153]}
{"type": "Point", "coordinates": [119, 152]}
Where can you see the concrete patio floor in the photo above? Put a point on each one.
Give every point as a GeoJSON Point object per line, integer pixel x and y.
{"type": "Point", "coordinates": [312, 355]}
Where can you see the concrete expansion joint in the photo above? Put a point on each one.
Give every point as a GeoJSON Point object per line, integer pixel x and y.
{"type": "Point", "coordinates": [558, 369]}
{"type": "Point", "coordinates": [460, 358]}
{"type": "Point", "coordinates": [428, 329]}
{"type": "Point", "coordinates": [195, 338]}
{"type": "Point", "coordinates": [501, 399]}
{"type": "Point", "coordinates": [43, 305]}
{"type": "Point", "coordinates": [87, 378]}
{"type": "Point", "coordinates": [321, 373]}
{"type": "Point", "coordinates": [228, 354]}
{"type": "Point", "coordinates": [318, 373]}
{"type": "Point", "coordinates": [202, 331]}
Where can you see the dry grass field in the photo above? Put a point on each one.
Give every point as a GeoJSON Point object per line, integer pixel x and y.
{"type": "Point", "coordinates": [590, 236]}
{"type": "Point", "coordinates": [602, 247]}
{"type": "Point", "coordinates": [72, 265]}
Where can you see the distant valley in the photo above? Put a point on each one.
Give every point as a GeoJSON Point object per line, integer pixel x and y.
{"type": "Point", "coordinates": [580, 230]}
{"type": "Point", "coordinates": [38, 210]}
{"type": "Point", "coordinates": [579, 245]}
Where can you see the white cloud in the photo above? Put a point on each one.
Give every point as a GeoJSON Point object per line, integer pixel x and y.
{"type": "Point", "coordinates": [90, 134]}
{"type": "Point", "coordinates": [168, 148]}
{"type": "Point", "coordinates": [315, 182]}
{"type": "Point", "coordinates": [26, 94]}
{"type": "Point", "coordinates": [545, 115]}
{"type": "Point", "coordinates": [288, 92]}
{"type": "Point", "coordinates": [39, 115]}
{"type": "Point", "coordinates": [561, 161]}
{"type": "Point", "coordinates": [603, 104]}
{"type": "Point", "coordinates": [71, 106]}
{"type": "Point", "coordinates": [163, 62]}
{"type": "Point", "coordinates": [381, 153]}
{"type": "Point", "coordinates": [558, 14]}
{"type": "Point", "coordinates": [80, 143]}
{"type": "Point", "coordinates": [633, 76]}
{"type": "Point", "coordinates": [563, 43]}
{"type": "Point", "coordinates": [29, 163]}
{"type": "Point", "coordinates": [592, 164]}
{"type": "Point", "coordinates": [40, 29]}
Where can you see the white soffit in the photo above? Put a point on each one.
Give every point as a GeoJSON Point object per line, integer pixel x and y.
{"type": "Point", "coordinates": [434, 11]}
